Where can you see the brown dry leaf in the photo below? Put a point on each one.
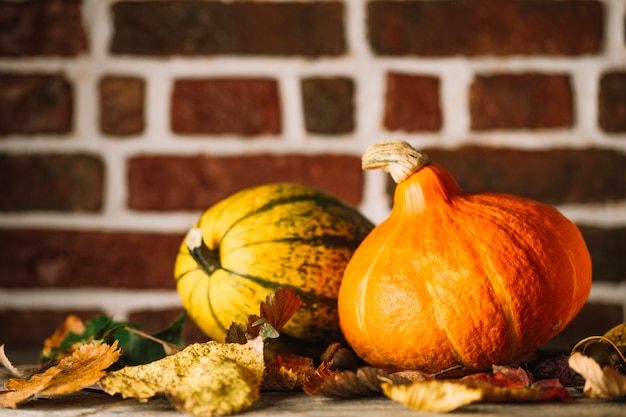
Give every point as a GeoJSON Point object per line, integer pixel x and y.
{"type": "Point", "coordinates": [71, 324]}
{"type": "Point", "coordinates": [600, 381]}
{"type": "Point", "coordinates": [365, 382]}
{"type": "Point", "coordinates": [437, 396]}
{"type": "Point", "coordinates": [204, 379]}
{"type": "Point", "coordinates": [414, 376]}
{"type": "Point", "coordinates": [85, 367]}
{"type": "Point", "coordinates": [287, 373]}
{"type": "Point", "coordinates": [279, 307]}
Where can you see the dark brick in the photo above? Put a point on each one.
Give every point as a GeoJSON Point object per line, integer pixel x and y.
{"type": "Point", "coordinates": [492, 27]}
{"type": "Point", "coordinates": [121, 105]}
{"type": "Point", "coordinates": [557, 176]}
{"type": "Point", "coordinates": [612, 102]}
{"type": "Point", "coordinates": [153, 321]}
{"type": "Point", "coordinates": [594, 319]}
{"type": "Point", "coordinates": [29, 328]}
{"type": "Point", "coordinates": [51, 27]}
{"type": "Point", "coordinates": [246, 106]}
{"type": "Point", "coordinates": [521, 101]}
{"type": "Point", "coordinates": [35, 103]}
{"type": "Point", "coordinates": [412, 103]}
{"type": "Point", "coordinates": [328, 105]}
{"type": "Point", "coordinates": [63, 258]}
{"type": "Point", "coordinates": [161, 28]}
{"type": "Point", "coordinates": [607, 247]}
{"type": "Point", "coordinates": [197, 182]}
{"type": "Point", "coordinates": [51, 182]}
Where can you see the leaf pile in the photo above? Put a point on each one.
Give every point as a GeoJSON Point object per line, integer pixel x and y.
{"type": "Point", "coordinates": [504, 384]}
{"type": "Point", "coordinates": [207, 379]}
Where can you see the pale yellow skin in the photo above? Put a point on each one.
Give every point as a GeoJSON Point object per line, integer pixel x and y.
{"type": "Point", "coordinates": [303, 240]}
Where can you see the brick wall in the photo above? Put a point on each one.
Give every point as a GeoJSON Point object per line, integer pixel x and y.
{"type": "Point", "coordinates": [121, 121]}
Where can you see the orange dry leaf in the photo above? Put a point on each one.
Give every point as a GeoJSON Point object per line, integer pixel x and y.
{"type": "Point", "coordinates": [72, 324]}
{"type": "Point", "coordinates": [85, 367]}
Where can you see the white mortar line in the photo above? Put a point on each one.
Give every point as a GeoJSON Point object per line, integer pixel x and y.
{"type": "Point", "coordinates": [115, 303]}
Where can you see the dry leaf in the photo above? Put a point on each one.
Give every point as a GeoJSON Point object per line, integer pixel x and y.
{"type": "Point", "coordinates": [279, 307]}
{"type": "Point", "coordinates": [504, 384]}
{"type": "Point", "coordinates": [71, 324]}
{"type": "Point", "coordinates": [276, 311]}
{"type": "Point", "coordinates": [287, 373]}
{"type": "Point", "coordinates": [85, 367]}
{"type": "Point", "coordinates": [4, 361]}
{"type": "Point", "coordinates": [414, 376]}
{"type": "Point", "coordinates": [617, 335]}
{"type": "Point", "coordinates": [503, 376]}
{"type": "Point", "coordinates": [436, 396]}
{"type": "Point", "coordinates": [365, 382]}
{"type": "Point", "coordinates": [204, 379]}
{"type": "Point", "coordinates": [600, 381]}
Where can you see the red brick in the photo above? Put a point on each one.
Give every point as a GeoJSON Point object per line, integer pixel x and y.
{"type": "Point", "coordinates": [607, 247]}
{"type": "Point", "coordinates": [244, 27]}
{"type": "Point", "coordinates": [197, 182]}
{"type": "Point", "coordinates": [488, 27]}
{"type": "Point", "coordinates": [51, 27]}
{"type": "Point", "coordinates": [612, 102]}
{"type": "Point", "coordinates": [153, 321]}
{"type": "Point", "coordinates": [51, 182]}
{"type": "Point", "coordinates": [521, 101]}
{"type": "Point", "coordinates": [28, 328]}
{"type": "Point", "coordinates": [412, 103]}
{"type": "Point", "coordinates": [65, 258]}
{"type": "Point", "coordinates": [328, 105]}
{"type": "Point", "coordinates": [35, 103]}
{"type": "Point", "coordinates": [558, 176]}
{"type": "Point", "coordinates": [247, 106]}
{"type": "Point", "coordinates": [121, 105]}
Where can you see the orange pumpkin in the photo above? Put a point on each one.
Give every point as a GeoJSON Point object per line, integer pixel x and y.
{"type": "Point", "coordinates": [451, 278]}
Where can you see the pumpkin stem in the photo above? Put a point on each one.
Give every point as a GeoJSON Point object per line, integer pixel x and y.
{"type": "Point", "coordinates": [208, 259]}
{"type": "Point", "coordinates": [397, 157]}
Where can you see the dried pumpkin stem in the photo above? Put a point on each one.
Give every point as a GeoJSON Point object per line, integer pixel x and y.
{"type": "Point", "coordinates": [396, 157]}
{"type": "Point", "coordinates": [208, 259]}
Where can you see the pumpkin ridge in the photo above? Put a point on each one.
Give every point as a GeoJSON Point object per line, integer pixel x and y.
{"type": "Point", "coordinates": [441, 325]}
{"type": "Point", "coordinates": [363, 290]}
{"type": "Point", "coordinates": [330, 241]}
{"type": "Point", "coordinates": [258, 280]}
{"type": "Point", "coordinates": [183, 274]}
{"type": "Point", "coordinates": [489, 270]}
{"type": "Point", "coordinates": [312, 198]}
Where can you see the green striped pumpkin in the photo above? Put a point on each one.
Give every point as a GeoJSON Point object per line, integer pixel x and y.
{"type": "Point", "coordinates": [248, 245]}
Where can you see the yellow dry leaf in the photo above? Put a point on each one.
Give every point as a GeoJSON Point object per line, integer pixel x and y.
{"type": "Point", "coordinates": [617, 335]}
{"type": "Point", "coordinates": [204, 379]}
{"type": "Point", "coordinates": [82, 369]}
{"type": "Point", "coordinates": [433, 396]}
{"type": "Point", "coordinates": [600, 382]}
